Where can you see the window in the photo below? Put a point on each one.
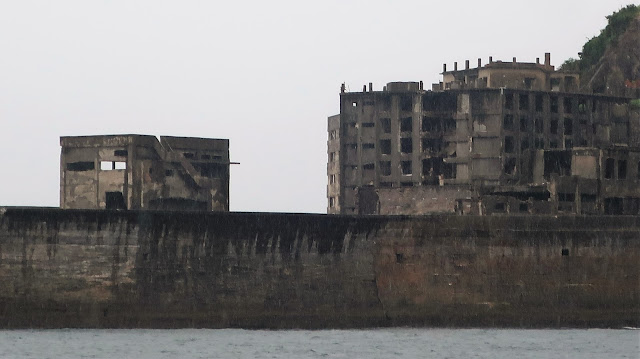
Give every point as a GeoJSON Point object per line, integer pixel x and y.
{"type": "Point", "coordinates": [582, 106]}
{"type": "Point", "coordinates": [106, 165]}
{"type": "Point", "coordinates": [114, 200]}
{"type": "Point", "coordinates": [168, 173]}
{"type": "Point", "coordinates": [80, 166]}
{"type": "Point", "coordinates": [406, 145]}
{"type": "Point", "coordinates": [189, 155]}
{"type": "Point", "coordinates": [553, 128]}
{"type": "Point", "coordinates": [507, 122]}
{"type": "Point", "coordinates": [524, 124]}
{"type": "Point", "coordinates": [354, 104]}
{"type": "Point", "coordinates": [385, 168]}
{"type": "Point", "coordinates": [523, 102]}
{"type": "Point", "coordinates": [406, 184]}
{"type": "Point", "coordinates": [609, 168]}
{"type": "Point", "coordinates": [510, 166]}
{"type": "Point", "coordinates": [567, 104]}
{"type": "Point", "coordinates": [499, 207]}
{"type": "Point", "coordinates": [430, 124]}
{"type": "Point", "coordinates": [369, 166]}
{"type": "Point", "coordinates": [406, 124]}
{"type": "Point", "coordinates": [523, 207]}
{"type": "Point", "coordinates": [205, 157]}
{"type": "Point", "coordinates": [120, 165]}
{"type": "Point", "coordinates": [332, 156]}
{"type": "Point", "coordinates": [568, 126]}
{"type": "Point", "coordinates": [331, 202]}
{"type": "Point", "coordinates": [368, 146]}
{"type": "Point", "coordinates": [406, 103]}
{"type": "Point", "coordinates": [554, 104]}
{"type": "Point", "coordinates": [385, 147]}
{"type": "Point", "coordinates": [524, 144]}
{"type": "Point", "coordinates": [539, 125]}
{"type": "Point", "coordinates": [120, 153]}
{"type": "Point", "coordinates": [386, 184]}
{"type": "Point", "coordinates": [539, 103]}
{"type": "Point", "coordinates": [406, 167]}
{"type": "Point", "coordinates": [385, 123]}
{"type": "Point", "coordinates": [431, 145]}
{"type": "Point", "coordinates": [332, 179]}
{"type": "Point", "coordinates": [509, 145]}
{"type": "Point", "coordinates": [566, 197]}
{"type": "Point", "coordinates": [508, 101]}
{"type": "Point", "coordinates": [568, 143]}
{"type": "Point", "coordinates": [622, 169]}
{"type": "Point", "coordinates": [368, 124]}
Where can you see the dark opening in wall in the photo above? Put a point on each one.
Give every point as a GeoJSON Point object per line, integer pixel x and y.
{"type": "Point", "coordinates": [553, 144]}
{"type": "Point", "coordinates": [205, 157]}
{"type": "Point", "coordinates": [539, 103]}
{"type": "Point", "coordinates": [430, 124]}
{"type": "Point", "coordinates": [499, 207]}
{"type": "Point", "coordinates": [332, 156]}
{"type": "Point", "coordinates": [386, 184]}
{"type": "Point", "coordinates": [539, 143]}
{"type": "Point", "coordinates": [510, 166]}
{"type": "Point", "coordinates": [449, 170]}
{"type": "Point", "coordinates": [211, 170]}
{"type": "Point", "coordinates": [594, 105]}
{"type": "Point", "coordinates": [524, 144]}
{"type": "Point", "coordinates": [568, 143]}
{"type": "Point", "coordinates": [369, 166]}
{"type": "Point", "coordinates": [406, 124]}
{"type": "Point", "coordinates": [568, 126]}
{"type": "Point", "coordinates": [587, 198]}
{"type": "Point", "coordinates": [406, 184]}
{"type": "Point", "coordinates": [568, 105]}
{"type": "Point", "coordinates": [565, 251]}
{"type": "Point", "coordinates": [189, 155]}
{"type": "Point", "coordinates": [553, 126]}
{"type": "Point", "coordinates": [368, 146]}
{"type": "Point", "coordinates": [523, 207]}
{"type": "Point", "coordinates": [528, 82]}
{"type": "Point", "coordinates": [507, 122]}
{"type": "Point", "coordinates": [557, 162]}
{"type": "Point", "coordinates": [609, 168]}
{"type": "Point", "coordinates": [508, 101]}
{"type": "Point", "coordinates": [405, 166]}
{"type": "Point", "coordinates": [524, 124]}
{"type": "Point", "coordinates": [406, 103]}
{"type": "Point", "coordinates": [523, 102]}
{"type": "Point", "coordinates": [509, 145]}
{"type": "Point", "coordinates": [386, 103]}
{"type": "Point", "coordinates": [538, 124]}
{"type": "Point", "coordinates": [406, 145]}
{"type": "Point", "coordinates": [114, 200]}
{"type": "Point", "coordinates": [399, 258]}
{"type": "Point", "coordinates": [385, 168]}
{"type": "Point", "coordinates": [622, 169]}
{"type": "Point", "coordinates": [368, 124]}
{"type": "Point", "coordinates": [449, 125]}
{"type": "Point", "coordinates": [613, 205]}
{"type": "Point", "coordinates": [431, 145]}
{"type": "Point", "coordinates": [431, 169]}
{"type": "Point", "coordinates": [168, 173]}
{"type": "Point", "coordinates": [385, 147]}
{"type": "Point", "coordinates": [566, 197]}
{"type": "Point", "coordinates": [442, 101]}
{"type": "Point", "coordinates": [553, 104]}
{"type": "Point", "coordinates": [120, 153]}
{"type": "Point", "coordinates": [385, 123]}
{"type": "Point", "coordinates": [80, 166]}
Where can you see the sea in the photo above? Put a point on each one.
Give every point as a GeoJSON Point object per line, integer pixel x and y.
{"type": "Point", "coordinates": [368, 343]}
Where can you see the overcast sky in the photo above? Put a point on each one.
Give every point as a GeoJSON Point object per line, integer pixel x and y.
{"type": "Point", "coordinates": [265, 74]}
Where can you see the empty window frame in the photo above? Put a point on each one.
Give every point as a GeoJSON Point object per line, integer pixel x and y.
{"type": "Point", "coordinates": [539, 125]}
{"type": "Point", "coordinates": [524, 124]}
{"type": "Point", "coordinates": [406, 103]}
{"type": "Point", "coordinates": [510, 166]}
{"type": "Point", "coordinates": [385, 147]}
{"type": "Point", "coordinates": [509, 145]}
{"type": "Point", "coordinates": [553, 126]}
{"type": "Point", "coordinates": [508, 101]}
{"type": "Point", "coordinates": [368, 124]}
{"type": "Point", "coordinates": [405, 167]}
{"type": "Point", "coordinates": [369, 166]}
{"type": "Point", "coordinates": [609, 168]}
{"type": "Point", "coordinates": [368, 146]}
{"type": "Point", "coordinates": [553, 104]}
{"type": "Point", "coordinates": [120, 153]}
{"type": "Point", "coordinates": [431, 145]}
{"type": "Point", "coordinates": [507, 122]}
{"type": "Point", "coordinates": [385, 124]}
{"type": "Point", "coordinates": [406, 145]}
{"type": "Point", "coordinates": [567, 104]}
{"type": "Point", "coordinates": [430, 124]}
{"type": "Point", "coordinates": [568, 126]}
{"type": "Point", "coordinates": [524, 144]}
{"type": "Point", "coordinates": [80, 166]}
{"type": "Point", "coordinates": [539, 103]}
{"type": "Point", "coordinates": [523, 102]}
{"type": "Point", "coordinates": [406, 124]}
{"type": "Point", "coordinates": [622, 169]}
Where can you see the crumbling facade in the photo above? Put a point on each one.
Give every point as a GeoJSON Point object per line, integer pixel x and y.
{"type": "Point", "coordinates": [142, 172]}
{"type": "Point", "coordinates": [501, 138]}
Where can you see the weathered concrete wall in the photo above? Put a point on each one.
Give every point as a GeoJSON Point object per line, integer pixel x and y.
{"type": "Point", "coordinates": [86, 268]}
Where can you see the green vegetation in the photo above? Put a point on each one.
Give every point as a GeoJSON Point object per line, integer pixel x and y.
{"type": "Point", "coordinates": [594, 49]}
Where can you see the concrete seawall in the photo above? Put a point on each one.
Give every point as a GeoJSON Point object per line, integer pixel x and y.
{"type": "Point", "coordinates": [86, 268]}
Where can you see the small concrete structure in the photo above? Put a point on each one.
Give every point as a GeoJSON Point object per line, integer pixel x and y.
{"type": "Point", "coordinates": [142, 172]}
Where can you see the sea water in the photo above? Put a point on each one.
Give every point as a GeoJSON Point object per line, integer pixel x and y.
{"type": "Point", "coordinates": [369, 343]}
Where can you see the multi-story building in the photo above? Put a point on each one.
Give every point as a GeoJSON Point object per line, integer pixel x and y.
{"type": "Point", "coordinates": [501, 138]}
{"type": "Point", "coordinates": [140, 172]}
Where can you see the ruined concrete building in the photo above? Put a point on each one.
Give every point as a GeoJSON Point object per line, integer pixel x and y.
{"type": "Point", "coordinates": [140, 172]}
{"type": "Point", "coordinates": [506, 137]}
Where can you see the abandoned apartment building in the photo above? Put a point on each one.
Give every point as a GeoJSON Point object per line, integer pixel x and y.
{"type": "Point", "coordinates": [506, 137]}
{"type": "Point", "coordinates": [142, 172]}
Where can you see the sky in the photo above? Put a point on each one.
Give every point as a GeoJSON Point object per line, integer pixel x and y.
{"type": "Point", "coordinates": [264, 74]}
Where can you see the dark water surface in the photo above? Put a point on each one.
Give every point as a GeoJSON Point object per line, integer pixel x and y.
{"type": "Point", "coordinates": [373, 343]}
